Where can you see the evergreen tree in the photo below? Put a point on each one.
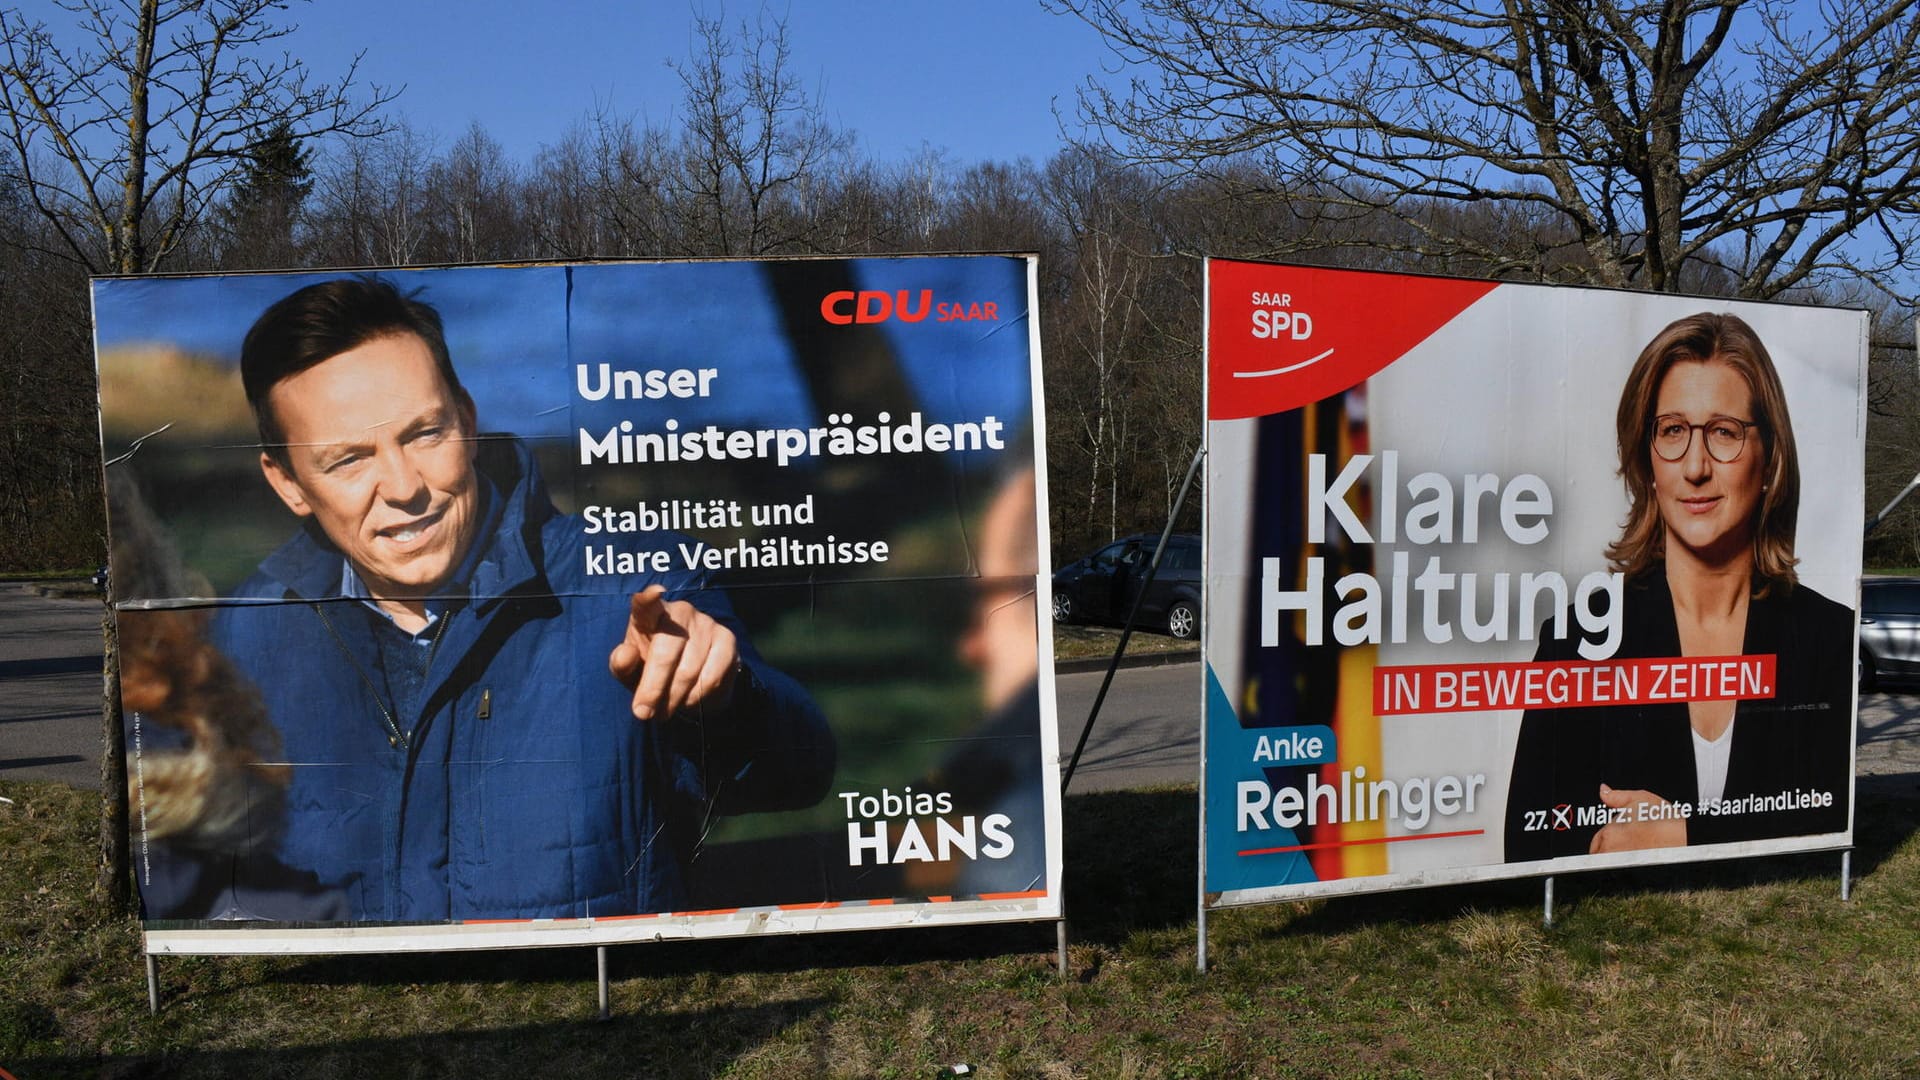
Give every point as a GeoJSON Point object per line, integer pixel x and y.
{"type": "Point", "coordinates": [262, 215]}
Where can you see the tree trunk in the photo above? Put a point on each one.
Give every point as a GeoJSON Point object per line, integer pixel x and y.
{"type": "Point", "coordinates": [112, 887]}
{"type": "Point", "coordinates": [129, 249]}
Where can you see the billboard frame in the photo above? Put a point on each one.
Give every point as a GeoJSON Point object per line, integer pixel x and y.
{"type": "Point", "coordinates": [1207, 901]}
{"type": "Point", "coordinates": [1044, 904]}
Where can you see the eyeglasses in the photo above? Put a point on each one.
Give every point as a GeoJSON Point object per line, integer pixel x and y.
{"type": "Point", "coordinates": [1726, 437]}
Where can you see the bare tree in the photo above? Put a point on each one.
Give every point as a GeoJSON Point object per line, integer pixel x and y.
{"type": "Point", "coordinates": [1099, 206]}
{"type": "Point", "coordinates": [120, 144]}
{"type": "Point", "coordinates": [1633, 141]}
{"type": "Point", "coordinates": [753, 144]}
{"type": "Point", "coordinates": [472, 192]}
{"type": "Point", "coordinates": [126, 140]}
{"type": "Point", "coordinates": [49, 440]}
{"type": "Point", "coordinates": [630, 169]}
{"type": "Point", "coordinates": [997, 206]}
{"type": "Point", "coordinates": [371, 201]}
{"type": "Point", "coordinates": [568, 202]}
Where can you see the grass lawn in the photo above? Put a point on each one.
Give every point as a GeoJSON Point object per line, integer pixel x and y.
{"type": "Point", "coordinates": [1743, 968]}
{"type": "Point", "coordinates": [1082, 642]}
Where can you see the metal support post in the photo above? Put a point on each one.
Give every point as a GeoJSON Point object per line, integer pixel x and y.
{"type": "Point", "coordinates": [153, 985]}
{"type": "Point", "coordinates": [1200, 951]}
{"type": "Point", "coordinates": [1546, 910]}
{"type": "Point", "coordinates": [606, 1001]}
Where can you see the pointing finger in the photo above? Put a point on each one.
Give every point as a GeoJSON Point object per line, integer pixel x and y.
{"type": "Point", "coordinates": [647, 608]}
{"type": "Point", "coordinates": [663, 651]}
{"type": "Point", "coordinates": [628, 659]}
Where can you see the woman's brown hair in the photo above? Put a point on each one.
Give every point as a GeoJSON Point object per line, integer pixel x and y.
{"type": "Point", "coordinates": [1701, 338]}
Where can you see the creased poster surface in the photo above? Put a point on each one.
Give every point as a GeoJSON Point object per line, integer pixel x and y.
{"type": "Point", "coordinates": [1509, 579]}
{"type": "Point", "coordinates": [550, 604]}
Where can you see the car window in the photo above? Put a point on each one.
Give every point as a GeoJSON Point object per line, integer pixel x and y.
{"type": "Point", "coordinates": [1883, 599]}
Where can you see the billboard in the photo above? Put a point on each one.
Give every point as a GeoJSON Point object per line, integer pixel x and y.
{"type": "Point", "coordinates": [1515, 579]}
{"type": "Point", "coordinates": [478, 607]}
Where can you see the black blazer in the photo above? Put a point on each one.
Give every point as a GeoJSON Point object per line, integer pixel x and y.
{"type": "Point", "coordinates": [1800, 739]}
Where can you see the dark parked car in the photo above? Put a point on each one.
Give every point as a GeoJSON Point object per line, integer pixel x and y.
{"type": "Point", "coordinates": [1102, 586]}
{"type": "Point", "coordinates": [1889, 630]}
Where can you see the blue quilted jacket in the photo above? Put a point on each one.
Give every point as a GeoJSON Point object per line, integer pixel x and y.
{"type": "Point", "coordinates": [520, 786]}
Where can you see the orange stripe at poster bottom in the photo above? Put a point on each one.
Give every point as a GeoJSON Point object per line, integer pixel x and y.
{"type": "Point", "coordinates": [820, 905]}
{"type": "Point", "coordinates": [1367, 840]}
{"type": "Point", "coordinates": [1013, 895]}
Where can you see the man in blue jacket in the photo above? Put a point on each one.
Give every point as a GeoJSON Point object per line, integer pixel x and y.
{"type": "Point", "coordinates": [476, 728]}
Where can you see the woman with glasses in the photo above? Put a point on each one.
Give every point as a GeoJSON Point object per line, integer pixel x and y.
{"type": "Point", "coordinates": [1713, 482]}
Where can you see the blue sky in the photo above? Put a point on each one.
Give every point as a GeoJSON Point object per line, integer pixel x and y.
{"type": "Point", "coordinates": [979, 81]}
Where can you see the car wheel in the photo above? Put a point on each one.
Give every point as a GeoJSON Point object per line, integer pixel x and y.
{"type": "Point", "coordinates": [1869, 678]}
{"type": "Point", "coordinates": [1062, 607]}
{"type": "Point", "coordinates": [1183, 620]}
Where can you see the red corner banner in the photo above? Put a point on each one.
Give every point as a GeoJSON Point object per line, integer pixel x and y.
{"type": "Point", "coordinates": [1280, 337]}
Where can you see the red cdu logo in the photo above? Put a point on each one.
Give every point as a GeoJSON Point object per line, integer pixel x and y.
{"type": "Point", "coordinates": [847, 307]}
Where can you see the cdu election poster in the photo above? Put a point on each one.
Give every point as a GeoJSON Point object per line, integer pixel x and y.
{"type": "Point", "coordinates": [477, 607]}
{"type": "Point", "coordinates": [1517, 579]}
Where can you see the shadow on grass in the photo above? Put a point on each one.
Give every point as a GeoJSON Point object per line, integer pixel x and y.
{"type": "Point", "coordinates": [1131, 868]}
{"type": "Point", "coordinates": [690, 1043]}
{"type": "Point", "coordinates": [784, 954]}
{"type": "Point", "coordinates": [1131, 862]}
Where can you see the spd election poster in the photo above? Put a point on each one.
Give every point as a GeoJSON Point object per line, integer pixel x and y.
{"type": "Point", "coordinates": [553, 604]}
{"type": "Point", "coordinates": [1515, 579]}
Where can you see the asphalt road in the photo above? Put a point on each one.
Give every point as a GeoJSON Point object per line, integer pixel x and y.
{"type": "Point", "coordinates": [1147, 733]}
{"type": "Point", "coordinates": [49, 688]}
{"type": "Point", "coordinates": [1148, 730]}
